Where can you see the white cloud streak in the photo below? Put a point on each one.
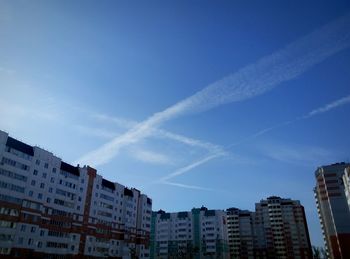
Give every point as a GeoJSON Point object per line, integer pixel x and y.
{"type": "Point", "coordinates": [186, 186]}
{"type": "Point", "coordinates": [188, 141]}
{"type": "Point", "coordinates": [160, 133]}
{"type": "Point", "coordinates": [306, 155]}
{"type": "Point", "coordinates": [328, 107]}
{"type": "Point", "coordinates": [189, 167]}
{"type": "Point", "coordinates": [150, 156]}
{"type": "Point", "coordinates": [96, 132]}
{"type": "Point", "coordinates": [248, 82]}
{"type": "Point", "coordinates": [299, 155]}
{"type": "Point", "coordinates": [120, 122]}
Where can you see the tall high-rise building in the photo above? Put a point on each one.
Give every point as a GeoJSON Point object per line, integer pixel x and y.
{"type": "Point", "coordinates": [199, 233]}
{"type": "Point", "coordinates": [277, 229]}
{"type": "Point", "coordinates": [280, 229]}
{"type": "Point", "coordinates": [331, 194]}
{"type": "Point", "coordinates": [240, 233]}
{"type": "Point", "coordinates": [49, 208]}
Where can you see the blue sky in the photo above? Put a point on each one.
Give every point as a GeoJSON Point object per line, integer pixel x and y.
{"type": "Point", "coordinates": [194, 103]}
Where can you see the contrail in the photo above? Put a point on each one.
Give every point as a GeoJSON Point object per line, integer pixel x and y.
{"type": "Point", "coordinates": [160, 133]}
{"type": "Point", "coordinates": [190, 167]}
{"type": "Point", "coordinates": [195, 187]}
{"type": "Point", "coordinates": [248, 82]}
{"type": "Point", "coordinates": [330, 106]}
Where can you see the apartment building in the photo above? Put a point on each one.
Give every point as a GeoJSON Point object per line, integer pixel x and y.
{"type": "Point", "coordinates": [240, 233]}
{"type": "Point", "coordinates": [332, 200]}
{"type": "Point", "coordinates": [51, 208]}
{"type": "Point", "coordinates": [280, 229]}
{"type": "Point", "coordinates": [277, 229]}
{"type": "Point", "coordinates": [199, 233]}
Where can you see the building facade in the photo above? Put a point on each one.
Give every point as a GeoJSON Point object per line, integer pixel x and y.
{"type": "Point", "coordinates": [199, 233]}
{"type": "Point", "coordinates": [280, 229]}
{"type": "Point", "coordinates": [240, 233]}
{"type": "Point", "coordinates": [49, 208]}
{"type": "Point", "coordinates": [332, 194]}
{"type": "Point", "coordinates": [277, 229]}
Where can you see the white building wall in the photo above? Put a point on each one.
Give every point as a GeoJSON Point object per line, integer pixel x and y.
{"type": "Point", "coordinates": [46, 205]}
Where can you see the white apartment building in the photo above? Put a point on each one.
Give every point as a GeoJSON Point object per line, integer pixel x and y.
{"type": "Point", "coordinates": [49, 208]}
{"type": "Point", "coordinates": [199, 233]}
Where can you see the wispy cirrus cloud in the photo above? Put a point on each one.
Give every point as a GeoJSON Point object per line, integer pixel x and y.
{"type": "Point", "coordinates": [159, 133]}
{"type": "Point", "coordinates": [189, 167]}
{"type": "Point", "coordinates": [248, 82]}
{"type": "Point", "coordinates": [120, 122]}
{"type": "Point", "coordinates": [187, 186]}
{"type": "Point", "coordinates": [318, 111]}
{"type": "Point", "coordinates": [95, 132]}
{"type": "Point", "coordinates": [328, 107]}
{"type": "Point", "coordinates": [296, 155]}
{"type": "Point", "coordinates": [300, 155]}
{"type": "Point", "coordinates": [150, 156]}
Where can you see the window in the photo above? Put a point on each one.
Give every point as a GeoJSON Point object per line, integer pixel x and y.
{"type": "Point", "coordinates": [20, 240]}
{"type": "Point", "coordinates": [37, 162]}
{"type": "Point", "coordinates": [44, 175]}
{"type": "Point", "coordinates": [33, 183]}
{"type": "Point", "coordinates": [40, 244]}
{"type": "Point", "coordinates": [48, 200]}
{"type": "Point", "coordinates": [52, 180]}
{"type": "Point", "coordinates": [42, 185]}
{"type": "Point", "coordinates": [33, 229]}
{"type": "Point", "coordinates": [54, 170]}
{"type": "Point", "coordinates": [46, 165]}
{"type": "Point", "coordinates": [13, 175]}
{"type": "Point", "coordinates": [35, 172]}
{"type": "Point", "coordinates": [30, 241]}
{"type": "Point", "coordinates": [23, 228]}
{"type": "Point", "coordinates": [56, 245]}
{"type": "Point", "coordinates": [42, 232]}
{"type": "Point", "coordinates": [106, 197]}
{"type": "Point", "coordinates": [40, 196]}
{"type": "Point", "coordinates": [11, 187]}
{"type": "Point", "coordinates": [7, 224]}
{"type": "Point", "coordinates": [50, 190]}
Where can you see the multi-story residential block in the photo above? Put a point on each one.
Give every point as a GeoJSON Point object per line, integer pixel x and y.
{"type": "Point", "coordinates": [199, 233]}
{"type": "Point", "coordinates": [281, 229]}
{"type": "Point", "coordinates": [49, 208]}
{"type": "Point", "coordinates": [240, 233]}
{"type": "Point", "coordinates": [277, 229]}
{"type": "Point", "coordinates": [331, 194]}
